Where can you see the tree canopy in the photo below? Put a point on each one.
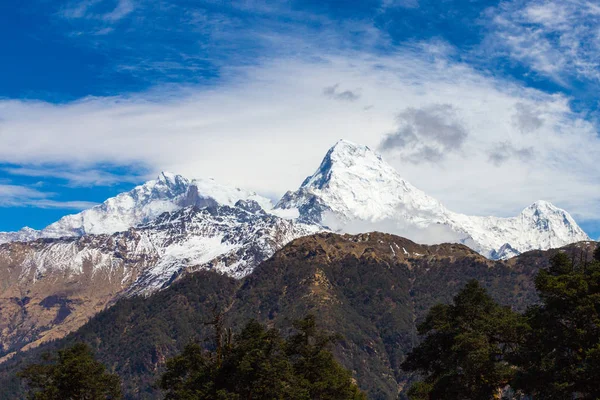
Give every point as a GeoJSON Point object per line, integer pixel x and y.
{"type": "Point", "coordinates": [73, 375]}
{"type": "Point", "coordinates": [260, 364]}
{"type": "Point", "coordinates": [474, 348]}
{"type": "Point", "coordinates": [466, 348]}
{"type": "Point", "coordinates": [561, 355]}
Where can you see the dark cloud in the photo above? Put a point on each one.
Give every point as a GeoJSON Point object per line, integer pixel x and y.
{"type": "Point", "coordinates": [426, 134]}
{"type": "Point", "coordinates": [526, 119]}
{"type": "Point", "coordinates": [399, 139]}
{"type": "Point", "coordinates": [428, 154]}
{"type": "Point", "coordinates": [502, 152]}
{"type": "Point", "coordinates": [346, 95]}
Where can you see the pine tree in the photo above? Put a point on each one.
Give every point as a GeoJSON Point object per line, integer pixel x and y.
{"type": "Point", "coordinates": [74, 375]}
{"type": "Point", "coordinates": [322, 377]}
{"type": "Point", "coordinates": [259, 364]}
{"type": "Point", "coordinates": [466, 347]}
{"type": "Point", "coordinates": [561, 357]}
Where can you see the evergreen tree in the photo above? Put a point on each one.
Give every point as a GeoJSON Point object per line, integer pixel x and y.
{"type": "Point", "coordinates": [561, 357]}
{"type": "Point", "coordinates": [257, 367]}
{"type": "Point", "coordinates": [75, 375]}
{"type": "Point", "coordinates": [321, 376]}
{"type": "Point", "coordinates": [465, 351]}
{"type": "Point", "coordinates": [259, 364]}
{"type": "Point", "coordinates": [597, 253]}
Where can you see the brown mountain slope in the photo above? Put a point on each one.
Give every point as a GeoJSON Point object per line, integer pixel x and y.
{"type": "Point", "coordinates": [372, 289]}
{"type": "Point", "coordinates": [49, 288]}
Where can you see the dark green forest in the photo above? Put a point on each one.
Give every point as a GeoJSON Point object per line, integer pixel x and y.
{"type": "Point", "coordinates": [475, 348]}
{"type": "Point", "coordinates": [257, 363]}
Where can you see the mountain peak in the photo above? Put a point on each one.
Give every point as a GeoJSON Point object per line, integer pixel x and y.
{"type": "Point", "coordinates": [171, 180]}
{"type": "Point", "coordinates": [354, 182]}
{"type": "Point", "coordinates": [344, 146]}
{"type": "Point", "coordinates": [166, 177]}
{"type": "Point", "coordinates": [543, 208]}
{"type": "Point", "coordinates": [543, 204]}
{"type": "Point", "coordinates": [348, 153]}
{"type": "Point", "coordinates": [346, 156]}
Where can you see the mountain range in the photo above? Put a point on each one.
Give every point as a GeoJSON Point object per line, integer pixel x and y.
{"type": "Point", "coordinates": [353, 187]}
{"type": "Point", "coordinates": [373, 289]}
{"type": "Point", "coordinates": [141, 241]}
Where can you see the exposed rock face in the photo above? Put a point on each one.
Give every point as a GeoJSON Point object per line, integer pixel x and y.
{"type": "Point", "coordinates": [50, 287]}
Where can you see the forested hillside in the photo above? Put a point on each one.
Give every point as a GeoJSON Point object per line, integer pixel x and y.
{"type": "Point", "coordinates": [372, 289]}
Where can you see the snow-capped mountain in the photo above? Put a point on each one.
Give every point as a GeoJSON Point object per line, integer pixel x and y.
{"type": "Point", "coordinates": [169, 192]}
{"type": "Point", "coordinates": [54, 279]}
{"type": "Point", "coordinates": [354, 188]}
{"type": "Point", "coordinates": [79, 276]}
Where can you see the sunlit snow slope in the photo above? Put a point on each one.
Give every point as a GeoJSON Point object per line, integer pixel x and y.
{"type": "Point", "coordinates": [354, 189]}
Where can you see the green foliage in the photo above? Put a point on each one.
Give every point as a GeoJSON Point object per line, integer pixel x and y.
{"type": "Point", "coordinates": [561, 357]}
{"type": "Point", "coordinates": [260, 364]}
{"type": "Point", "coordinates": [75, 375]}
{"type": "Point", "coordinates": [466, 350]}
{"type": "Point", "coordinates": [597, 253]}
{"type": "Point", "coordinates": [320, 376]}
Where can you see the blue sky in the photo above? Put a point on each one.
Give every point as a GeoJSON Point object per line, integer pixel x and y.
{"type": "Point", "coordinates": [99, 95]}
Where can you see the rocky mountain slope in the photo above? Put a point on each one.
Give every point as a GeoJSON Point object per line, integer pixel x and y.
{"type": "Point", "coordinates": [169, 192]}
{"type": "Point", "coordinates": [50, 287]}
{"type": "Point", "coordinates": [52, 280]}
{"type": "Point", "coordinates": [371, 288]}
{"type": "Point", "coordinates": [355, 190]}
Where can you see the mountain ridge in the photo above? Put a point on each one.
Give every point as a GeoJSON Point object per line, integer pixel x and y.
{"type": "Point", "coordinates": [353, 189]}
{"type": "Point", "coordinates": [354, 184]}
{"type": "Point", "coordinates": [141, 241]}
{"type": "Point", "coordinates": [372, 288]}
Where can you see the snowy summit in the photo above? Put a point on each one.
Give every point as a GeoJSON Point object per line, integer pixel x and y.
{"type": "Point", "coordinates": [353, 190]}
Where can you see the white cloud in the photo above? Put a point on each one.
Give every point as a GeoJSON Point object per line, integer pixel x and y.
{"type": "Point", "coordinates": [79, 177]}
{"type": "Point", "coordinates": [63, 205]}
{"type": "Point", "coordinates": [267, 127]}
{"type": "Point", "coordinates": [555, 38]}
{"type": "Point", "coordinates": [85, 9]}
{"type": "Point", "coordinates": [23, 196]}
{"type": "Point", "coordinates": [432, 234]}
{"type": "Point", "coordinates": [121, 10]}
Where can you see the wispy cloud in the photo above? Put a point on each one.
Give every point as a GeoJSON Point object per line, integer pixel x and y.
{"type": "Point", "coordinates": [556, 38]}
{"type": "Point", "coordinates": [385, 4]}
{"type": "Point", "coordinates": [275, 114]}
{"type": "Point", "coordinates": [123, 8]}
{"type": "Point", "coordinates": [63, 205]}
{"type": "Point", "coordinates": [76, 177]}
{"type": "Point", "coordinates": [89, 9]}
{"type": "Point", "coordinates": [78, 9]}
{"type": "Point", "coordinates": [23, 196]}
